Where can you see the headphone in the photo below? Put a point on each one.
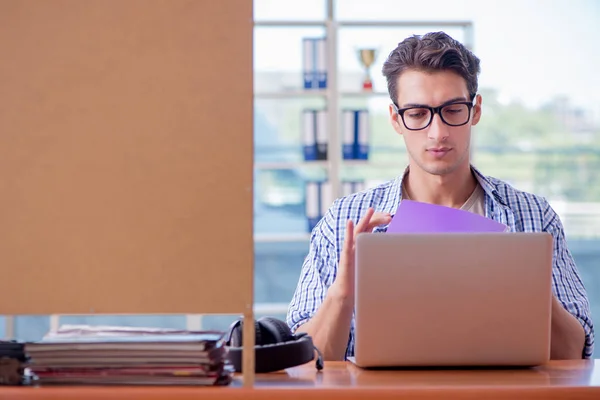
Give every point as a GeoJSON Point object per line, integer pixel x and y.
{"type": "Point", "coordinates": [276, 347]}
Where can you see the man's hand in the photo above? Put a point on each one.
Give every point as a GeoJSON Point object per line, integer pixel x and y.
{"type": "Point", "coordinates": [343, 286]}
{"type": "Point", "coordinates": [330, 326]}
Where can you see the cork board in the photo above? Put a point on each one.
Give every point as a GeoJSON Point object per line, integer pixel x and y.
{"type": "Point", "coordinates": [126, 156]}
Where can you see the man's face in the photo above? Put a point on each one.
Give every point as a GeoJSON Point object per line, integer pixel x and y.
{"type": "Point", "coordinates": [439, 149]}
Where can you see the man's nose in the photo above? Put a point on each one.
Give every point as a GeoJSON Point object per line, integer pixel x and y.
{"type": "Point", "coordinates": [438, 130]}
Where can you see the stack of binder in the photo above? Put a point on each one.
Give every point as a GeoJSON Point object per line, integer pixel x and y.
{"type": "Point", "coordinates": [130, 357]}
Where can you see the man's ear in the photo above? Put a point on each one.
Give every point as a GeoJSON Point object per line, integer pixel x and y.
{"type": "Point", "coordinates": [395, 120]}
{"type": "Point", "coordinates": [477, 110]}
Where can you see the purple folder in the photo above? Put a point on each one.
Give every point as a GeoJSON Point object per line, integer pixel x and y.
{"type": "Point", "coordinates": [417, 217]}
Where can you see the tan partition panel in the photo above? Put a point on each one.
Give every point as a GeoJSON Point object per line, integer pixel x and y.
{"type": "Point", "coordinates": [125, 156]}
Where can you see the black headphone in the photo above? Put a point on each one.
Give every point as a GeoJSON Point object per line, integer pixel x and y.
{"type": "Point", "coordinates": [276, 347]}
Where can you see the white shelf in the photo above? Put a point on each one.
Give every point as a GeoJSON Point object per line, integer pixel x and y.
{"type": "Point", "coordinates": [281, 238]}
{"type": "Point", "coordinates": [284, 94]}
{"type": "Point", "coordinates": [364, 94]}
{"type": "Point", "coordinates": [375, 164]}
{"type": "Point", "coordinates": [289, 165]}
{"type": "Point", "coordinates": [315, 93]}
{"type": "Point", "coordinates": [402, 24]}
{"type": "Point", "coordinates": [324, 164]}
{"type": "Point", "coordinates": [288, 23]}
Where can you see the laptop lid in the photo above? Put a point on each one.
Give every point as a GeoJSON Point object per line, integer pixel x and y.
{"type": "Point", "coordinates": [453, 299]}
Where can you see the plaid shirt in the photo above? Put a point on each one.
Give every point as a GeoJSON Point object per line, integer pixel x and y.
{"type": "Point", "coordinates": [521, 211]}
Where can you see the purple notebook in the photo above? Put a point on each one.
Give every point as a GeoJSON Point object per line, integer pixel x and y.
{"type": "Point", "coordinates": [417, 217]}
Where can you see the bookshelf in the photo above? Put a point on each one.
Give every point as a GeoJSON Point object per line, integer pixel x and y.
{"type": "Point", "coordinates": [336, 97]}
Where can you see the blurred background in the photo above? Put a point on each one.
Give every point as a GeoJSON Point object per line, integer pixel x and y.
{"type": "Point", "coordinates": [540, 128]}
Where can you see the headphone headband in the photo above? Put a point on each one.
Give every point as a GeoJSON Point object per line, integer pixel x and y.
{"type": "Point", "coordinates": [276, 348]}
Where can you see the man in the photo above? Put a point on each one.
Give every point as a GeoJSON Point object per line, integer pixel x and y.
{"type": "Point", "coordinates": [432, 81]}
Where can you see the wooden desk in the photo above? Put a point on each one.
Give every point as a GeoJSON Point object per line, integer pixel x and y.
{"type": "Point", "coordinates": [558, 380]}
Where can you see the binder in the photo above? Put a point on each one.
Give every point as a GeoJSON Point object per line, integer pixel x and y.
{"type": "Point", "coordinates": [308, 62]}
{"type": "Point", "coordinates": [321, 134]}
{"type": "Point", "coordinates": [321, 62]}
{"type": "Point", "coordinates": [326, 197]}
{"type": "Point", "coordinates": [363, 132]}
{"type": "Point", "coordinates": [312, 205]}
{"type": "Point", "coordinates": [348, 134]}
{"type": "Point", "coordinates": [314, 62]}
{"type": "Point", "coordinates": [309, 135]}
{"type": "Point", "coordinates": [356, 131]}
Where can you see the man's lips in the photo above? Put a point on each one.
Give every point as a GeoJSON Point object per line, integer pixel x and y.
{"type": "Point", "coordinates": [439, 152]}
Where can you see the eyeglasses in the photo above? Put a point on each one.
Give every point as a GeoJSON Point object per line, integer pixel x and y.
{"type": "Point", "coordinates": [417, 118]}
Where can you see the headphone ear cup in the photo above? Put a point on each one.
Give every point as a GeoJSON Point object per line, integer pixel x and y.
{"type": "Point", "coordinates": [278, 329]}
{"type": "Point", "coordinates": [236, 334]}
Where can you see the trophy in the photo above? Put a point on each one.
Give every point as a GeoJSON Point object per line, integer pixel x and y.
{"type": "Point", "coordinates": [367, 58]}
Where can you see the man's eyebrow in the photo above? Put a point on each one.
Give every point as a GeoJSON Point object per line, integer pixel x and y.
{"type": "Point", "coordinates": [407, 105]}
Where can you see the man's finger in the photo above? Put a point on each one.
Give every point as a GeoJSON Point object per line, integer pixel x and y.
{"type": "Point", "coordinates": [379, 219]}
{"type": "Point", "coordinates": [349, 239]}
{"type": "Point", "coordinates": [364, 221]}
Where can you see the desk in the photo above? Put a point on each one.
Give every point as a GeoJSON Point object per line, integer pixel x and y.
{"type": "Point", "coordinates": [558, 380]}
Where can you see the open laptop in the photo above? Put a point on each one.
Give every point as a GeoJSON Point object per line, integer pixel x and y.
{"type": "Point", "coordinates": [452, 299]}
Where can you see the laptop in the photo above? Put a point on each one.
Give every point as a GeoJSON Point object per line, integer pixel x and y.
{"type": "Point", "coordinates": [452, 299]}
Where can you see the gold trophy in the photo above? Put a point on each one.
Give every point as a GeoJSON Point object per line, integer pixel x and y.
{"type": "Point", "coordinates": [367, 58]}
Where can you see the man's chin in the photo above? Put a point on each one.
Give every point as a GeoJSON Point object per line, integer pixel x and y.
{"type": "Point", "coordinates": [439, 169]}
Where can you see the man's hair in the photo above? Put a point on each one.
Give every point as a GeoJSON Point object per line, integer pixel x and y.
{"type": "Point", "coordinates": [434, 51]}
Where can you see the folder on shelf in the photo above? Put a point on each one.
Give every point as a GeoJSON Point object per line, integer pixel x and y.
{"type": "Point", "coordinates": [326, 197]}
{"type": "Point", "coordinates": [312, 205]}
{"type": "Point", "coordinates": [309, 127]}
{"type": "Point", "coordinates": [356, 130]}
{"type": "Point", "coordinates": [321, 137]}
{"type": "Point", "coordinates": [417, 217]}
{"type": "Point", "coordinates": [348, 134]}
{"type": "Point", "coordinates": [321, 62]}
{"type": "Point", "coordinates": [363, 131]}
{"type": "Point", "coordinates": [314, 62]}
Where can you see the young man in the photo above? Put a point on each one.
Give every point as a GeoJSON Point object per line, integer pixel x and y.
{"type": "Point", "coordinates": [432, 81]}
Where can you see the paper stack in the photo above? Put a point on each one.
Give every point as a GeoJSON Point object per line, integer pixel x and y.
{"type": "Point", "coordinates": [126, 356]}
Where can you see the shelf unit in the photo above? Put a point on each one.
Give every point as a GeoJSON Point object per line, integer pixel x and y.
{"type": "Point", "coordinates": [333, 97]}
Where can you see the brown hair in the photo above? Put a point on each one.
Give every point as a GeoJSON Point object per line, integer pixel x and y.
{"type": "Point", "coordinates": [434, 51]}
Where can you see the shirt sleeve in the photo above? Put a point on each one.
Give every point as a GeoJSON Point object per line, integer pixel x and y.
{"type": "Point", "coordinates": [566, 282]}
{"type": "Point", "coordinates": [317, 273]}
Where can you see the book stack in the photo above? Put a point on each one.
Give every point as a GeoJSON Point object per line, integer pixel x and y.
{"type": "Point", "coordinates": [129, 356]}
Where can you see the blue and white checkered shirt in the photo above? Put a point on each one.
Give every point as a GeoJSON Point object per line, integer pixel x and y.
{"type": "Point", "coordinates": [520, 211]}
